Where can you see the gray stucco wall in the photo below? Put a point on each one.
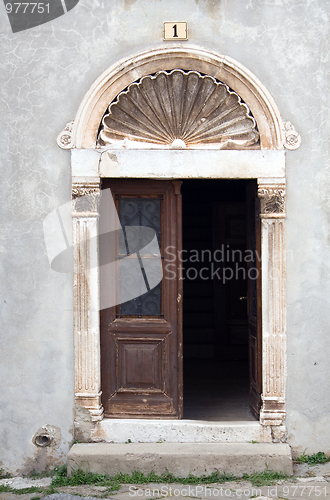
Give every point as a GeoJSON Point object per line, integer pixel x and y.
{"type": "Point", "coordinates": [45, 72]}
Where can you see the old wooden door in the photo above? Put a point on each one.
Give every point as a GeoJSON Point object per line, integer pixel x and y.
{"type": "Point", "coordinates": [230, 319]}
{"type": "Point", "coordinates": [254, 297]}
{"type": "Point", "coordinates": [141, 338]}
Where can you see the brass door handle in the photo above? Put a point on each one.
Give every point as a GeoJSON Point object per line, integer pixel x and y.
{"type": "Point", "coordinates": [243, 298]}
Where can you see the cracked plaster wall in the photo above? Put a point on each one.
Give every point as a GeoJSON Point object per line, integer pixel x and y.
{"type": "Point", "coordinates": [44, 73]}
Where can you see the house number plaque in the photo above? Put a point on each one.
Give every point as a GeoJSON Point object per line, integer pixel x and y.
{"type": "Point", "coordinates": [175, 31]}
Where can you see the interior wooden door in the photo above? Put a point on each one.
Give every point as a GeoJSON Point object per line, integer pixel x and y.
{"type": "Point", "coordinates": [230, 319]}
{"type": "Point", "coordinates": [254, 297]}
{"type": "Point", "coordinates": [141, 339]}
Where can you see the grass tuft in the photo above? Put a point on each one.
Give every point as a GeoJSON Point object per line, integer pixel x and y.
{"type": "Point", "coordinates": [25, 491]}
{"type": "Point", "coordinates": [49, 491]}
{"type": "Point", "coordinates": [46, 473]}
{"type": "Point", "coordinates": [79, 477]}
{"type": "Point", "coordinates": [4, 488]}
{"type": "Point", "coordinates": [265, 478]}
{"type": "Point", "coordinates": [4, 475]}
{"type": "Point", "coordinates": [317, 458]}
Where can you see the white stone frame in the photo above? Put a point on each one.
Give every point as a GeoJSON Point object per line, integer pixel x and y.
{"type": "Point", "coordinates": [267, 165]}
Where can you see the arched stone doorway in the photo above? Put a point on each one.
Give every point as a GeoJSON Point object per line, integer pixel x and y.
{"type": "Point", "coordinates": [257, 155]}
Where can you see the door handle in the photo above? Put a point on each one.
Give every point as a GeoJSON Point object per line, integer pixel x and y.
{"type": "Point", "coordinates": [243, 298]}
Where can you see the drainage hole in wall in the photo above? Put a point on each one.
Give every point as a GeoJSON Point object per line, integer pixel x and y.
{"type": "Point", "coordinates": [43, 440]}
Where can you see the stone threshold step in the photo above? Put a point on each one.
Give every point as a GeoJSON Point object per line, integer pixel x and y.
{"type": "Point", "coordinates": [180, 459]}
{"type": "Point", "coordinates": [179, 431]}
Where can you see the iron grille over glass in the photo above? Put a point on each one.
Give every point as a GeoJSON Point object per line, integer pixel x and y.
{"type": "Point", "coordinates": [140, 219]}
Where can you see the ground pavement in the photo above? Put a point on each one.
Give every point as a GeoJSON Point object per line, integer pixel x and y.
{"type": "Point", "coordinates": [308, 482]}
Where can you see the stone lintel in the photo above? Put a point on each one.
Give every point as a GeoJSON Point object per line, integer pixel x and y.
{"type": "Point", "coordinates": [192, 164]}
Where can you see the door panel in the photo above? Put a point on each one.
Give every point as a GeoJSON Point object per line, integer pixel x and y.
{"type": "Point", "coordinates": [141, 345]}
{"type": "Point", "coordinates": [229, 236]}
{"type": "Point", "coordinates": [254, 298]}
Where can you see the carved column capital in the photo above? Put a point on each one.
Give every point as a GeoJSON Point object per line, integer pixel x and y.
{"type": "Point", "coordinates": [272, 200]}
{"type": "Point", "coordinates": [85, 198]}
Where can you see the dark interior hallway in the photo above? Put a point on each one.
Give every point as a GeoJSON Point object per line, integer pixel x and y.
{"type": "Point", "coordinates": [216, 372]}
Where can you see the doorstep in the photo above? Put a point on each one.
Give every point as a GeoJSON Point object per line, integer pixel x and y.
{"type": "Point", "coordinates": [179, 431]}
{"type": "Point", "coordinates": [180, 459]}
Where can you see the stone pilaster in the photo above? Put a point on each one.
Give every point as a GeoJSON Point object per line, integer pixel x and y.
{"type": "Point", "coordinates": [85, 196]}
{"type": "Point", "coordinates": [272, 214]}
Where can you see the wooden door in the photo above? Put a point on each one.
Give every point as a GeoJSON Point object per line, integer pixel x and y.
{"type": "Point", "coordinates": [230, 292]}
{"type": "Point", "coordinates": [141, 339]}
{"type": "Point", "coordinates": [254, 297]}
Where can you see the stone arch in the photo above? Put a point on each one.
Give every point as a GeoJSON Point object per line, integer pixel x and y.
{"type": "Point", "coordinates": [274, 133]}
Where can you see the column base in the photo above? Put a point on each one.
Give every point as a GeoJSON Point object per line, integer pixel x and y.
{"type": "Point", "coordinates": [92, 403]}
{"type": "Point", "coordinates": [272, 412]}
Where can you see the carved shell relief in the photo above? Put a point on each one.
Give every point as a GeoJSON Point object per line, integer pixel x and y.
{"type": "Point", "coordinates": [179, 109]}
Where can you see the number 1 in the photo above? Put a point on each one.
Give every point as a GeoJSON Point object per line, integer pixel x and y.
{"type": "Point", "coordinates": [175, 32]}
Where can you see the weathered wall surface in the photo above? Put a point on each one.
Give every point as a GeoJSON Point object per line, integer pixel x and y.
{"type": "Point", "coordinates": [45, 72]}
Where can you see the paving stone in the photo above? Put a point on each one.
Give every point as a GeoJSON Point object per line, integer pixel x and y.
{"type": "Point", "coordinates": [301, 470]}
{"type": "Point", "coordinates": [310, 479]}
{"type": "Point", "coordinates": [20, 483]}
{"type": "Point", "coordinates": [67, 496]}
